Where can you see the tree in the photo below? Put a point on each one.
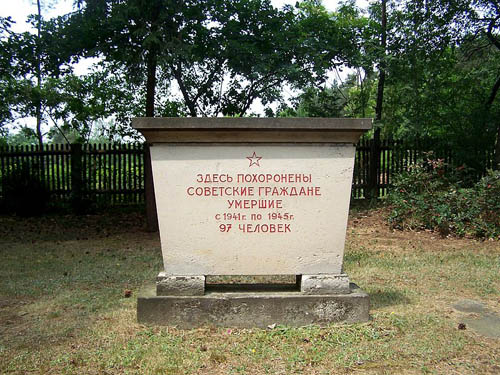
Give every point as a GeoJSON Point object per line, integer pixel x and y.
{"type": "Point", "coordinates": [33, 58]}
{"type": "Point", "coordinates": [223, 55]}
{"type": "Point", "coordinates": [6, 78]}
{"type": "Point", "coordinates": [316, 102]}
{"type": "Point", "coordinates": [240, 52]}
{"type": "Point", "coordinates": [448, 73]}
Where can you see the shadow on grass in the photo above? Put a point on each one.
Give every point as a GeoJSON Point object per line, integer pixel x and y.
{"type": "Point", "coordinates": [63, 275]}
{"type": "Point", "coordinates": [388, 297]}
{"type": "Point", "coordinates": [69, 227]}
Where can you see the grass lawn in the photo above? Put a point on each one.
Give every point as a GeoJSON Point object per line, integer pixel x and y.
{"type": "Point", "coordinates": [63, 308]}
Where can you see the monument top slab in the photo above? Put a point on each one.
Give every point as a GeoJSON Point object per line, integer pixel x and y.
{"type": "Point", "coordinates": [246, 129]}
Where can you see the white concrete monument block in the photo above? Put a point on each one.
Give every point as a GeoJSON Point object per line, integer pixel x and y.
{"type": "Point", "coordinates": [243, 196]}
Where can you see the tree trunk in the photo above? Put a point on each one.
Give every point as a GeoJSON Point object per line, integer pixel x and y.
{"type": "Point", "coordinates": [375, 149]}
{"type": "Point", "coordinates": [39, 134]}
{"type": "Point", "coordinates": [382, 65]}
{"type": "Point", "coordinates": [496, 166]}
{"type": "Point", "coordinates": [494, 90]}
{"type": "Point", "coordinates": [151, 83]}
{"type": "Point", "coordinates": [489, 103]}
{"type": "Point", "coordinates": [185, 94]}
{"type": "Point", "coordinates": [151, 215]}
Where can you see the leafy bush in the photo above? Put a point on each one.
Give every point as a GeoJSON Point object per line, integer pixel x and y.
{"type": "Point", "coordinates": [24, 192]}
{"type": "Point", "coordinates": [430, 196]}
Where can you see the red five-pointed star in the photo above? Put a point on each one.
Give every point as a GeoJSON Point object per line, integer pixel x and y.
{"type": "Point", "coordinates": [254, 160]}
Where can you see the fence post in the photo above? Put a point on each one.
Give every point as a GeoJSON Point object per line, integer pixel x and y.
{"type": "Point", "coordinates": [76, 178]}
{"type": "Point", "coordinates": [373, 177]}
{"type": "Point", "coordinates": [496, 160]}
{"type": "Point", "coordinates": [149, 192]}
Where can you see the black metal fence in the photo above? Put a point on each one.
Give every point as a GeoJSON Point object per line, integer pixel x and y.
{"type": "Point", "coordinates": [111, 174]}
{"type": "Point", "coordinates": [114, 173]}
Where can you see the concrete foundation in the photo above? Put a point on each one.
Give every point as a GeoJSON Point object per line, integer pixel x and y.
{"type": "Point", "coordinates": [325, 284]}
{"type": "Point", "coordinates": [167, 285]}
{"type": "Point", "coordinates": [249, 309]}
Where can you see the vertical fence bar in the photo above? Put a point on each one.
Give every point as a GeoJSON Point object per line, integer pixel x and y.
{"type": "Point", "coordinates": [103, 172]}
{"type": "Point", "coordinates": [58, 174]}
{"type": "Point", "coordinates": [26, 162]}
{"type": "Point", "coordinates": [111, 185]}
{"type": "Point", "coordinates": [17, 157]}
{"type": "Point", "coordinates": [52, 182]}
{"type": "Point", "coordinates": [135, 194]}
{"type": "Point", "coordinates": [126, 174]}
{"type": "Point", "coordinates": [120, 173]}
{"type": "Point", "coordinates": [403, 156]}
{"type": "Point", "coordinates": [355, 188]}
{"type": "Point", "coordinates": [86, 171]}
{"type": "Point", "coordinates": [99, 168]}
{"type": "Point", "coordinates": [64, 171]}
{"type": "Point", "coordinates": [67, 171]}
{"type": "Point", "coordinates": [21, 157]}
{"type": "Point", "coordinates": [391, 169]}
{"type": "Point", "coordinates": [112, 181]}
{"type": "Point", "coordinates": [367, 167]}
{"type": "Point", "coordinates": [94, 172]}
{"type": "Point", "coordinates": [384, 167]}
{"type": "Point", "coordinates": [77, 164]}
{"type": "Point", "coordinates": [107, 173]}
{"type": "Point", "coordinates": [129, 171]}
{"type": "Point", "coordinates": [37, 166]}
{"type": "Point", "coordinates": [142, 159]}
{"type": "Point", "coordinates": [123, 172]}
{"type": "Point", "coordinates": [388, 165]}
{"type": "Point", "coordinates": [2, 171]}
{"type": "Point", "coordinates": [141, 172]}
{"type": "Point", "coordinates": [13, 159]}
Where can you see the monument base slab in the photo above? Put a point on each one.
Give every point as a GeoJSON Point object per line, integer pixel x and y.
{"type": "Point", "coordinates": [259, 309]}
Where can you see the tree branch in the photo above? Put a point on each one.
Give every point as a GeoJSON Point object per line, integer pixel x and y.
{"type": "Point", "coordinates": [182, 87]}
{"type": "Point", "coordinates": [493, 94]}
{"type": "Point", "coordinates": [202, 89]}
{"type": "Point", "coordinates": [255, 94]}
{"type": "Point", "coordinates": [59, 129]}
{"type": "Point", "coordinates": [490, 35]}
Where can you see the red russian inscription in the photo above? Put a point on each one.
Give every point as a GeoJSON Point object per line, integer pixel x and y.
{"type": "Point", "coordinates": [253, 202]}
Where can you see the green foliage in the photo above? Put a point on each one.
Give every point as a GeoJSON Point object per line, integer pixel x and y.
{"type": "Point", "coordinates": [24, 137]}
{"type": "Point", "coordinates": [326, 102]}
{"type": "Point", "coordinates": [24, 192]}
{"type": "Point", "coordinates": [222, 55]}
{"type": "Point", "coordinates": [442, 68]}
{"type": "Point", "coordinates": [429, 196]}
{"type": "Point", "coordinates": [441, 61]}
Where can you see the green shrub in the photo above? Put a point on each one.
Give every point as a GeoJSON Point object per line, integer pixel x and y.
{"type": "Point", "coordinates": [23, 192]}
{"type": "Point", "coordinates": [431, 197]}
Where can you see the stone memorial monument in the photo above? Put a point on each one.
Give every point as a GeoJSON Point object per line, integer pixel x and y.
{"type": "Point", "coordinates": [252, 196]}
